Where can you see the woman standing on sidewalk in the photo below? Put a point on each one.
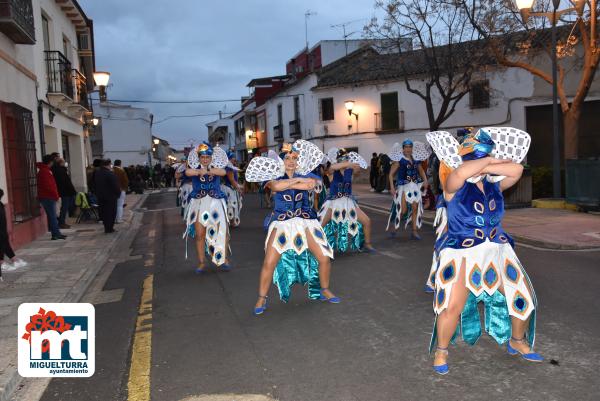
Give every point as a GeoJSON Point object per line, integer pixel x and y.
{"type": "Point", "coordinates": [476, 259]}
{"type": "Point", "coordinates": [233, 190]}
{"type": "Point", "coordinates": [406, 192]}
{"type": "Point", "coordinates": [206, 213]}
{"type": "Point", "coordinates": [346, 225]}
{"type": "Point", "coordinates": [296, 249]}
{"type": "Point", "coordinates": [5, 248]}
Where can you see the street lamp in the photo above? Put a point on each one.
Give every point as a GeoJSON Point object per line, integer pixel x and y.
{"type": "Point", "coordinates": [525, 7]}
{"type": "Point", "coordinates": [156, 141]}
{"type": "Point", "coordinates": [101, 78]}
{"type": "Point", "coordinates": [95, 121]}
{"type": "Point", "coordinates": [350, 106]}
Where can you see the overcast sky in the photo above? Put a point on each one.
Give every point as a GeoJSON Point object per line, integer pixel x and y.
{"type": "Point", "coordinates": [197, 49]}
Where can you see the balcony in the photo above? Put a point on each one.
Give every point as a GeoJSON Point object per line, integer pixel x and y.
{"type": "Point", "coordinates": [80, 103]}
{"type": "Point", "coordinates": [389, 121]}
{"type": "Point", "coordinates": [60, 79]}
{"type": "Point", "coordinates": [278, 132]}
{"type": "Point", "coordinates": [295, 131]}
{"type": "Point", "coordinates": [16, 21]}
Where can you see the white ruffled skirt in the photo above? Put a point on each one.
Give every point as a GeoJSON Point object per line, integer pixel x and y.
{"type": "Point", "coordinates": [292, 235]}
{"type": "Point", "coordinates": [212, 214]}
{"type": "Point", "coordinates": [411, 193]}
{"type": "Point", "coordinates": [234, 205]}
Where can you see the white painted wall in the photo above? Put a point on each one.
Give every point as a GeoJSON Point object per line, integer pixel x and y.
{"type": "Point", "coordinates": [224, 122]}
{"type": "Point", "coordinates": [332, 50]}
{"type": "Point", "coordinates": [126, 132]}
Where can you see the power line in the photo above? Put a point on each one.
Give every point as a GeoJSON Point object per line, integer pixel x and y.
{"type": "Point", "coordinates": [174, 101]}
{"type": "Point", "coordinates": [189, 116]}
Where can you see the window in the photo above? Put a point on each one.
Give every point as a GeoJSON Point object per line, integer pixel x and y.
{"type": "Point", "coordinates": [326, 109]}
{"type": "Point", "coordinates": [279, 114]}
{"type": "Point", "coordinates": [296, 108]}
{"type": "Point", "coordinates": [67, 48]}
{"type": "Point", "coordinates": [46, 31]}
{"type": "Point", "coordinates": [479, 95]}
{"type": "Point", "coordinates": [19, 150]}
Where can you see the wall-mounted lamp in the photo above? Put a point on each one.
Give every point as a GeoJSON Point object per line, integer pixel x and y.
{"type": "Point", "coordinates": [350, 106]}
{"type": "Point", "coordinates": [101, 78]}
{"type": "Point", "coordinates": [95, 121]}
{"type": "Point", "coordinates": [156, 141]}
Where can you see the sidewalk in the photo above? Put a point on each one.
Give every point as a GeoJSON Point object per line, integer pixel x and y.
{"type": "Point", "coordinates": [544, 228]}
{"type": "Point", "coordinates": [58, 271]}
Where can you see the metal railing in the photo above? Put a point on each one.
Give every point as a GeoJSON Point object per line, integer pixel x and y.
{"type": "Point", "coordinates": [278, 132]}
{"type": "Point", "coordinates": [81, 91]}
{"type": "Point", "coordinates": [389, 121]}
{"type": "Point", "coordinates": [58, 72]}
{"type": "Point", "coordinates": [295, 131]}
{"type": "Point", "coordinates": [16, 20]}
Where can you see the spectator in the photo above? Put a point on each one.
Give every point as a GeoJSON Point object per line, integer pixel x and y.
{"type": "Point", "coordinates": [5, 248]}
{"type": "Point", "coordinates": [66, 190]}
{"type": "Point", "coordinates": [373, 175]}
{"type": "Point", "coordinates": [108, 192]}
{"type": "Point", "coordinates": [123, 181]}
{"type": "Point", "coordinates": [48, 195]}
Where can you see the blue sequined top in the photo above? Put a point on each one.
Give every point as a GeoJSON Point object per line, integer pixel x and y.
{"type": "Point", "coordinates": [408, 171]}
{"type": "Point", "coordinates": [341, 185]}
{"type": "Point", "coordinates": [206, 185]}
{"type": "Point", "coordinates": [226, 180]}
{"type": "Point", "coordinates": [291, 203]}
{"type": "Point", "coordinates": [475, 216]}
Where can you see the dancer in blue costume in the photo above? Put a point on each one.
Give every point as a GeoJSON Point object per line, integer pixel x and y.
{"type": "Point", "coordinates": [233, 190]}
{"type": "Point", "coordinates": [296, 248]}
{"type": "Point", "coordinates": [206, 212]}
{"type": "Point", "coordinates": [184, 185]}
{"type": "Point", "coordinates": [346, 225]}
{"type": "Point", "coordinates": [406, 192]}
{"type": "Point", "coordinates": [476, 259]}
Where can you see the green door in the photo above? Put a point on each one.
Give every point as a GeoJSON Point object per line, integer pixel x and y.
{"type": "Point", "coordinates": [389, 111]}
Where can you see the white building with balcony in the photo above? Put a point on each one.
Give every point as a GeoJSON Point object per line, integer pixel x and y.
{"type": "Point", "coordinates": [46, 67]}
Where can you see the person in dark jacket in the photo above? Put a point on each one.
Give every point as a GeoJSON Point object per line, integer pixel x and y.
{"type": "Point", "coordinates": [48, 195]}
{"type": "Point", "coordinates": [66, 190]}
{"type": "Point", "coordinates": [108, 192]}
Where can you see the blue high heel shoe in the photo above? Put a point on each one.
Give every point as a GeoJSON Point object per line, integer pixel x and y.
{"type": "Point", "coordinates": [260, 310]}
{"type": "Point", "coordinates": [226, 267]}
{"type": "Point", "coordinates": [368, 249]}
{"type": "Point", "coordinates": [415, 236]}
{"type": "Point", "coordinates": [531, 356]}
{"type": "Point", "coordinates": [332, 300]}
{"type": "Point", "coordinates": [441, 369]}
{"type": "Point", "coordinates": [200, 270]}
{"type": "Point", "coordinates": [428, 289]}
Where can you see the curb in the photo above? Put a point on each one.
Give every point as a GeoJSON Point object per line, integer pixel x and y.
{"type": "Point", "coordinates": [518, 238]}
{"type": "Point", "coordinates": [76, 293]}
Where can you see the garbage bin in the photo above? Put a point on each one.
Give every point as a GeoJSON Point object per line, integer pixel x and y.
{"type": "Point", "coordinates": [583, 185]}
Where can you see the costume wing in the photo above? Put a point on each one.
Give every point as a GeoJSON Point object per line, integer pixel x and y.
{"type": "Point", "coordinates": [219, 158]}
{"type": "Point", "coordinates": [354, 157]}
{"type": "Point", "coordinates": [332, 155]}
{"type": "Point", "coordinates": [511, 143]}
{"type": "Point", "coordinates": [396, 153]}
{"type": "Point", "coordinates": [193, 159]}
{"type": "Point", "coordinates": [261, 169]}
{"type": "Point", "coordinates": [420, 151]}
{"type": "Point", "coordinates": [310, 156]}
{"type": "Point", "coordinates": [445, 147]}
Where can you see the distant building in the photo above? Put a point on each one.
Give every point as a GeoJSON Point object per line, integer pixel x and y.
{"type": "Point", "coordinates": [221, 132]}
{"type": "Point", "coordinates": [124, 132]}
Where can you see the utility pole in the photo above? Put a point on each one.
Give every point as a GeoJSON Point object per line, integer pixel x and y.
{"type": "Point", "coordinates": [346, 36]}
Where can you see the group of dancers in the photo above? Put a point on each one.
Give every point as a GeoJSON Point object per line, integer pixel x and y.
{"type": "Point", "coordinates": [473, 259]}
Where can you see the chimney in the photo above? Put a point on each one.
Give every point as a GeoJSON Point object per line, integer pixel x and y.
{"type": "Point", "coordinates": [220, 114]}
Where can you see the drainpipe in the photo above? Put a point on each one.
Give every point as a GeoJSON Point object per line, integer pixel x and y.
{"type": "Point", "coordinates": [40, 111]}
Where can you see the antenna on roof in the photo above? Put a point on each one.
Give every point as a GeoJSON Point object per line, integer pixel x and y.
{"type": "Point", "coordinates": [307, 15]}
{"type": "Point", "coordinates": [343, 25]}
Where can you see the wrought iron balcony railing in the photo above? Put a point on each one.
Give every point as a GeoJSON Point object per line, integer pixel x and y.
{"type": "Point", "coordinates": [278, 132]}
{"type": "Point", "coordinates": [81, 91]}
{"type": "Point", "coordinates": [16, 21]}
{"type": "Point", "coordinates": [295, 131]}
{"type": "Point", "coordinates": [389, 121]}
{"type": "Point", "coordinates": [59, 75]}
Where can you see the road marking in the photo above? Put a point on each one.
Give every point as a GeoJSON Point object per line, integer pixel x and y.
{"type": "Point", "coordinates": [392, 255]}
{"type": "Point", "coordinates": [595, 235]}
{"type": "Point", "coordinates": [162, 210]}
{"type": "Point", "coordinates": [138, 386]}
{"type": "Point", "coordinates": [375, 209]}
{"type": "Point", "coordinates": [107, 296]}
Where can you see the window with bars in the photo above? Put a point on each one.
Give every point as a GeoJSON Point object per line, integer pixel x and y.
{"type": "Point", "coordinates": [20, 160]}
{"type": "Point", "coordinates": [479, 95]}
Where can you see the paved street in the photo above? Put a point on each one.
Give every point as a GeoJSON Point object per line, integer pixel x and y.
{"type": "Point", "coordinates": [372, 346]}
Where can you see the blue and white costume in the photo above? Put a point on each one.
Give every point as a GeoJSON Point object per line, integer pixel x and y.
{"type": "Point", "coordinates": [408, 183]}
{"type": "Point", "coordinates": [493, 273]}
{"type": "Point", "coordinates": [207, 206]}
{"type": "Point", "coordinates": [292, 221]}
{"type": "Point", "coordinates": [185, 187]}
{"type": "Point", "coordinates": [344, 231]}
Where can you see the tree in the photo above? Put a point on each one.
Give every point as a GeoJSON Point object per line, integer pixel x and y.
{"type": "Point", "coordinates": [446, 50]}
{"type": "Point", "coordinates": [516, 42]}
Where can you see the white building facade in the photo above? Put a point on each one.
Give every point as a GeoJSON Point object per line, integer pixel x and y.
{"type": "Point", "coordinates": [124, 132]}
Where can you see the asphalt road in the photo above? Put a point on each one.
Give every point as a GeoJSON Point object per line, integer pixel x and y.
{"type": "Point", "coordinates": [372, 346]}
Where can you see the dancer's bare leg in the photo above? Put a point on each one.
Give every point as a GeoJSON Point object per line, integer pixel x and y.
{"type": "Point", "coordinates": [324, 264]}
{"type": "Point", "coordinates": [266, 273]}
{"type": "Point", "coordinates": [200, 244]}
{"type": "Point", "coordinates": [366, 223]}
